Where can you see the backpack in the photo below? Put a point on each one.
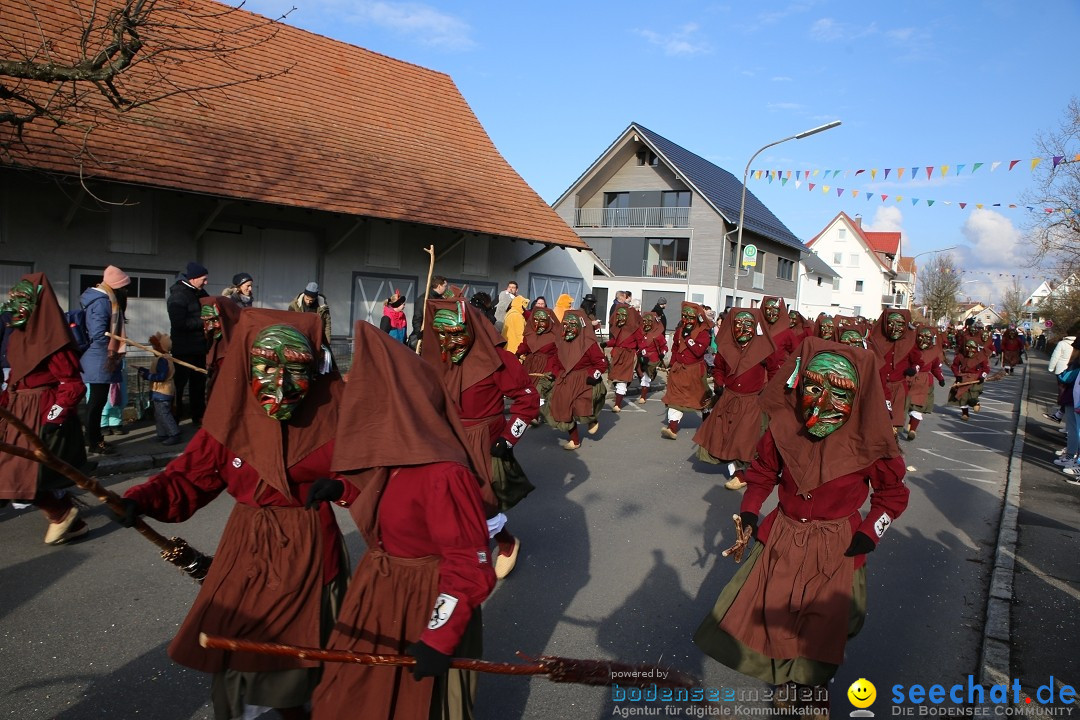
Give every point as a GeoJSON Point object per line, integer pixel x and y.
{"type": "Point", "coordinates": [80, 336]}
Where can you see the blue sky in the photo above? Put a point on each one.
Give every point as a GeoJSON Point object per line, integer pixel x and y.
{"type": "Point", "coordinates": [915, 84]}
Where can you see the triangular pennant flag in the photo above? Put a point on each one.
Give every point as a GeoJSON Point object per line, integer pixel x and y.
{"type": "Point", "coordinates": [1031, 208]}
{"type": "Point", "coordinates": [783, 181]}
{"type": "Point", "coordinates": [873, 173]}
{"type": "Point", "coordinates": [757, 174]}
{"type": "Point", "coordinates": [797, 173]}
{"type": "Point", "coordinates": [811, 188]}
{"type": "Point", "coordinates": [958, 169]}
{"type": "Point", "coordinates": [770, 176]}
{"type": "Point", "coordinates": [788, 176]}
{"type": "Point", "coordinates": [899, 198]}
{"type": "Point", "coordinates": [996, 205]}
{"type": "Point", "coordinates": [1058, 159]}
{"type": "Point", "coordinates": [994, 165]}
{"type": "Point", "coordinates": [963, 205]}
{"type": "Point", "coordinates": [914, 201]}
{"type": "Point", "coordinates": [1049, 210]}
{"type": "Point", "coordinates": [886, 173]}
{"type": "Point", "coordinates": [797, 184]}
{"type": "Point", "coordinates": [930, 203]}
{"type": "Point", "coordinates": [846, 173]}
{"type": "Point", "coordinates": [816, 172]}
{"type": "Point", "coordinates": [854, 193]}
{"type": "Point", "coordinates": [947, 202]}
{"type": "Point", "coordinates": [839, 192]}
{"type": "Point", "coordinates": [1012, 164]}
{"type": "Point", "coordinates": [914, 172]}
{"type": "Point", "coordinates": [1012, 205]}
{"type": "Point", "coordinates": [899, 173]}
{"type": "Point", "coordinates": [930, 169]}
{"type": "Point", "coordinates": [884, 198]}
{"type": "Point", "coordinates": [975, 167]}
{"type": "Point", "coordinates": [862, 171]}
{"type": "Point", "coordinates": [1034, 162]}
{"type": "Point", "coordinates": [869, 196]}
{"type": "Point", "coordinates": [979, 206]}
{"type": "Point", "coordinates": [825, 189]}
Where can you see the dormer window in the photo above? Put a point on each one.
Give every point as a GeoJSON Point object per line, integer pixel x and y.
{"type": "Point", "coordinates": [647, 157]}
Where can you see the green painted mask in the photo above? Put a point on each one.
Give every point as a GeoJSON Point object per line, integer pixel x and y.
{"type": "Point", "coordinates": [854, 338]}
{"type": "Point", "coordinates": [647, 322]}
{"type": "Point", "coordinates": [620, 317]}
{"type": "Point", "coordinates": [894, 326]}
{"type": "Point", "coordinates": [742, 327]}
{"type": "Point", "coordinates": [771, 310]}
{"type": "Point", "coordinates": [22, 301]}
{"type": "Point", "coordinates": [541, 321]}
{"type": "Point", "coordinates": [829, 385]}
{"type": "Point", "coordinates": [455, 337]}
{"type": "Point", "coordinates": [826, 328]}
{"type": "Point", "coordinates": [571, 327]}
{"type": "Point", "coordinates": [971, 348]}
{"type": "Point", "coordinates": [925, 338]}
{"type": "Point", "coordinates": [211, 322]}
{"type": "Point", "coordinates": [282, 367]}
{"type": "Point", "coordinates": [793, 318]}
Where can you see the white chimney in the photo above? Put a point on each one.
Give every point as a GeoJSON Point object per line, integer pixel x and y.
{"type": "Point", "coordinates": [858, 219]}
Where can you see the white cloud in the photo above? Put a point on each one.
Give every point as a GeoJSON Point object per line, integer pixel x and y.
{"type": "Point", "coordinates": [993, 243]}
{"type": "Point", "coordinates": [682, 41]}
{"type": "Point", "coordinates": [782, 78]}
{"type": "Point", "coordinates": [422, 23]}
{"type": "Point", "coordinates": [829, 30]}
{"type": "Point", "coordinates": [887, 218]}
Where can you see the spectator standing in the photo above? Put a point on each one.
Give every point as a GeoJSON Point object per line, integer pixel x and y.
{"type": "Point", "coordinates": [1069, 398]}
{"type": "Point", "coordinates": [189, 339]}
{"type": "Point", "coordinates": [102, 362]}
{"type": "Point", "coordinates": [393, 321]}
{"type": "Point", "coordinates": [482, 302]}
{"type": "Point", "coordinates": [1059, 361]}
{"type": "Point", "coordinates": [588, 306]}
{"type": "Point", "coordinates": [311, 300]}
{"type": "Point", "coordinates": [658, 310]}
{"type": "Point", "coordinates": [240, 291]}
{"type": "Point", "coordinates": [620, 297]}
{"type": "Point", "coordinates": [503, 305]}
{"type": "Point", "coordinates": [163, 390]}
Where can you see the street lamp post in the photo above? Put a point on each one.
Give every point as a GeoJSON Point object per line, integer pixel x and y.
{"type": "Point", "coordinates": [742, 204]}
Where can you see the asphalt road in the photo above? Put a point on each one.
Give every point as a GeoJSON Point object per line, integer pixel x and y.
{"type": "Point", "coordinates": [620, 560]}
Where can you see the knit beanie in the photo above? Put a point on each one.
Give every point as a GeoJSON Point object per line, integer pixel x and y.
{"type": "Point", "coordinates": [312, 289]}
{"type": "Point", "coordinates": [115, 278]}
{"type": "Point", "coordinates": [240, 278]}
{"type": "Point", "coordinates": [195, 270]}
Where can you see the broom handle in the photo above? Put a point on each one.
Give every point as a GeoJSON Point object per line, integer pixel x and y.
{"type": "Point", "coordinates": [344, 656]}
{"type": "Point", "coordinates": [430, 250]}
{"type": "Point", "coordinates": [149, 349]}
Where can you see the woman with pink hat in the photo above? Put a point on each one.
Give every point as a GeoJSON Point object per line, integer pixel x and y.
{"type": "Point", "coordinates": [102, 363]}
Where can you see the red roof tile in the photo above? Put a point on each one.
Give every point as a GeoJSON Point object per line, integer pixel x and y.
{"type": "Point", "coordinates": [342, 130]}
{"type": "Point", "coordinates": [883, 242]}
{"type": "Point", "coordinates": [907, 265]}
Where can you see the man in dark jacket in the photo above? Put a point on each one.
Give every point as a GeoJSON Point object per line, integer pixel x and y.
{"type": "Point", "coordinates": [189, 342]}
{"type": "Point", "coordinates": [658, 310]}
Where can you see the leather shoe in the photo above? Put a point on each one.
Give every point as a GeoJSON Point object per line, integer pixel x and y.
{"type": "Point", "coordinates": [666, 433]}
{"type": "Point", "coordinates": [69, 528]}
{"type": "Point", "coordinates": [571, 445]}
{"type": "Point", "coordinates": [735, 483]}
{"type": "Point", "coordinates": [505, 563]}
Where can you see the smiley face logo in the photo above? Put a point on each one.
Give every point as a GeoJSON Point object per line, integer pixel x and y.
{"type": "Point", "coordinates": [862, 693]}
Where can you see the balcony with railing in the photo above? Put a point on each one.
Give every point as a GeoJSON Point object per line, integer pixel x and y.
{"type": "Point", "coordinates": [895, 300]}
{"type": "Point", "coordinates": [649, 217]}
{"type": "Point", "coordinates": [663, 268]}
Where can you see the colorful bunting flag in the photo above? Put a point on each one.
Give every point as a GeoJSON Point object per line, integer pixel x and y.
{"type": "Point", "coordinates": [811, 187]}
{"type": "Point", "coordinates": [958, 169]}
{"type": "Point", "coordinates": [873, 173]}
{"type": "Point", "coordinates": [975, 167]}
{"type": "Point", "coordinates": [994, 166]}
{"type": "Point", "coordinates": [914, 201]}
{"type": "Point", "coordinates": [914, 172]}
{"type": "Point", "coordinates": [1058, 159]}
{"type": "Point", "coordinates": [839, 192]}
{"type": "Point", "coordinates": [899, 173]}
{"type": "Point", "coordinates": [1012, 164]}
{"type": "Point", "coordinates": [930, 171]}
{"type": "Point", "coordinates": [886, 173]}
{"type": "Point", "coordinates": [963, 205]}
{"type": "Point", "coordinates": [884, 198]}
{"type": "Point", "coordinates": [930, 203]}
{"type": "Point", "coordinates": [1034, 162]}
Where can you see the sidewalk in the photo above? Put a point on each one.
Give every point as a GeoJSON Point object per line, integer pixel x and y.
{"type": "Point", "coordinates": [1034, 612]}
{"type": "Point", "coordinates": [140, 449]}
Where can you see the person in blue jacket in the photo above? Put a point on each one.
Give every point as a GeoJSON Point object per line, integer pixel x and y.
{"type": "Point", "coordinates": [102, 362]}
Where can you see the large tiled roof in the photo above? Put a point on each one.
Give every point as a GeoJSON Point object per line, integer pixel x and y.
{"type": "Point", "coordinates": [722, 189]}
{"type": "Point", "coordinates": [884, 242]}
{"type": "Point", "coordinates": [907, 265]}
{"type": "Point", "coordinates": [342, 130]}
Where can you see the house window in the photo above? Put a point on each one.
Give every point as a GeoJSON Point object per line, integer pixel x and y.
{"type": "Point", "coordinates": [836, 283]}
{"type": "Point", "coordinates": [838, 259]}
{"type": "Point", "coordinates": [675, 208]}
{"type": "Point", "coordinates": [785, 269]}
{"type": "Point", "coordinates": [842, 233]}
{"type": "Point", "coordinates": [853, 260]}
{"type": "Point", "coordinates": [667, 257]}
{"type": "Point", "coordinates": [647, 157]}
{"type": "Point", "coordinates": [616, 209]}
{"type": "Point", "coordinates": [733, 252]}
{"type": "Point", "coordinates": [858, 285]}
{"type": "Point", "coordinates": [857, 310]}
{"type": "Point", "coordinates": [819, 281]}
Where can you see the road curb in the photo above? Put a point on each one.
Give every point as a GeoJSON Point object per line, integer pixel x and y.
{"type": "Point", "coordinates": [995, 662]}
{"type": "Point", "coordinates": [117, 465]}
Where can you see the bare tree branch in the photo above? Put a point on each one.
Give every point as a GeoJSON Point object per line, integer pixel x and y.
{"type": "Point", "coordinates": [939, 284]}
{"type": "Point", "coordinates": [1055, 236]}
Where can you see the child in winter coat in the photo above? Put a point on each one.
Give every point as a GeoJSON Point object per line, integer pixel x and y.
{"type": "Point", "coordinates": [163, 390]}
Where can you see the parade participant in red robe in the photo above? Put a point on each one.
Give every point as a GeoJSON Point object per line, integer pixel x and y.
{"type": "Point", "coordinates": [787, 614]}
{"type": "Point", "coordinates": [921, 393]}
{"type": "Point", "coordinates": [417, 589]}
{"type": "Point", "coordinates": [744, 363]}
{"type": "Point", "coordinates": [800, 327]}
{"type": "Point", "coordinates": [1011, 345]}
{"type": "Point", "coordinates": [652, 353]}
{"type": "Point", "coordinates": [579, 393]}
{"type": "Point", "coordinates": [280, 568]}
{"type": "Point", "coordinates": [43, 391]}
{"type": "Point", "coordinates": [687, 390]}
{"type": "Point", "coordinates": [893, 340]}
{"type": "Point", "coordinates": [971, 365]}
{"type": "Point", "coordinates": [825, 327]}
{"type": "Point", "coordinates": [539, 352]}
{"type": "Point", "coordinates": [219, 315]}
{"type": "Point", "coordinates": [469, 356]}
{"type": "Point", "coordinates": [626, 342]}
{"type": "Point", "coordinates": [783, 336]}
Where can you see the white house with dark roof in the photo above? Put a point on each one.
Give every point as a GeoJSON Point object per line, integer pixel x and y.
{"type": "Point", "coordinates": [662, 222]}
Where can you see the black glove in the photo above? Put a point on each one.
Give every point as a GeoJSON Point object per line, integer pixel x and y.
{"type": "Point", "coordinates": [911, 371]}
{"type": "Point", "coordinates": [860, 544]}
{"type": "Point", "coordinates": [429, 661]}
{"type": "Point", "coordinates": [502, 449]}
{"type": "Point", "coordinates": [749, 520]}
{"type": "Point", "coordinates": [131, 513]}
{"type": "Point", "coordinates": [594, 379]}
{"type": "Point", "coordinates": [941, 383]}
{"type": "Point", "coordinates": [324, 489]}
{"type": "Point", "coordinates": [48, 430]}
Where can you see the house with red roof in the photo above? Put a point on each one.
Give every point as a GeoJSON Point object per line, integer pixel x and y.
{"type": "Point", "coordinates": [339, 165]}
{"type": "Point", "coordinates": [874, 275]}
